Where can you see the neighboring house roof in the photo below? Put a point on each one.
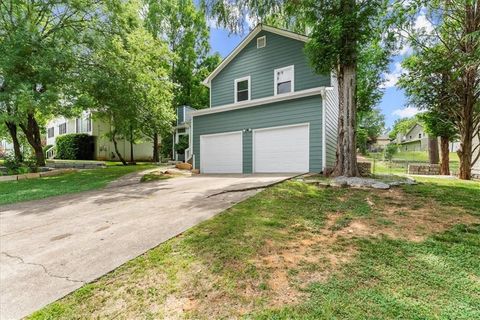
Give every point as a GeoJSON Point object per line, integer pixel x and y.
{"type": "Point", "coordinates": [413, 127]}
{"type": "Point", "coordinates": [251, 35]}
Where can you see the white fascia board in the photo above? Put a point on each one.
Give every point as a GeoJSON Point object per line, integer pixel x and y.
{"type": "Point", "coordinates": [243, 44]}
{"type": "Point", "coordinates": [262, 101]}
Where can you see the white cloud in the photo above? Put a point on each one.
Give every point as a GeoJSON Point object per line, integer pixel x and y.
{"type": "Point", "coordinates": [406, 112]}
{"type": "Point", "coordinates": [392, 77]}
{"type": "Point", "coordinates": [422, 23]}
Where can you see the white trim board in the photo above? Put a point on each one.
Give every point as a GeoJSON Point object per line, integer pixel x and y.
{"type": "Point", "coordinates": [243, 44]}
{"type": "Point", "coordinates": [262, 101]}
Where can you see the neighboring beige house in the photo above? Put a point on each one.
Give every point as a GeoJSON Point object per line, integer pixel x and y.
{"type": "Point", "coordinates": [414, 140]}
{"type": "Point", "coordinates": [380, 143]}
{"type": "Point", "coordinates": [104, 149]}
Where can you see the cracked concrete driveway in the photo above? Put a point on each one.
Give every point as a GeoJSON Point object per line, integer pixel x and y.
{"type": "Point", "coordinates": [53, 246]}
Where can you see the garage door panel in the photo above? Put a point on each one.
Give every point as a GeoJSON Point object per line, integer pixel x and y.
{"type": "Point", "coordinates": [221, 153]}
{"type": "Point", "coordinates": [282, 149]}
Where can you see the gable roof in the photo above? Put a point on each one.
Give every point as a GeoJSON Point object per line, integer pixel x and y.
{"type": "Point", "coordinates": [413, 127]}
{"type": "Point", "coordinates": [243, 44]}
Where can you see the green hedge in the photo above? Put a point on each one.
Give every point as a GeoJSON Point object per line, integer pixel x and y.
{"type": "Point", "coordinates": [76, 146]}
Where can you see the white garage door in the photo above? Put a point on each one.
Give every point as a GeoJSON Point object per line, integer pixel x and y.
{"type": "Point", "coordinates": [221, 153]}
{"type": "Point", "coordinates": [281, 149]}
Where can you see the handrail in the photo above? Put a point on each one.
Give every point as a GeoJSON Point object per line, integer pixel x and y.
{"type": "Point", "coordinates": [51, 152]}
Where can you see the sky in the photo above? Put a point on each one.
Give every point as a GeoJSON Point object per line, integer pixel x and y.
{"type": "Point", "coordinates": [394, 103]}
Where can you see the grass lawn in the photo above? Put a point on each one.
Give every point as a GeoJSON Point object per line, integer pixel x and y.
{"type": "Point", "coordinates": [22, 190]}
{"type": "Point", "coordinates": [401, 159]}
{"type": "Point", "coordinates": [296, 251]}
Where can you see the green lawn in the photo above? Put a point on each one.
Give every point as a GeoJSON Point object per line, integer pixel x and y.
{"type": "Point", "coordinates": [32, 189]}
{"type": "Point", "coordinates": [401, 160]}
{"type": "Point", "coordinates": [296, 251]}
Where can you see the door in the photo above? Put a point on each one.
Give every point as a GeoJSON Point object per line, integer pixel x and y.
{"type": "Point", "coordinates": [281, 149]}
{"type": "Point", "coordinates": [221, 153]}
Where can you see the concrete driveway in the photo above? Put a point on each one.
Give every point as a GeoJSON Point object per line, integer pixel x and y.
{"type": "Point", "coordinates": [51, 247]}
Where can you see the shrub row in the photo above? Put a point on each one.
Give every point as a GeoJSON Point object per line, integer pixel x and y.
{"type": "Point", "coordinates": [76, 146]}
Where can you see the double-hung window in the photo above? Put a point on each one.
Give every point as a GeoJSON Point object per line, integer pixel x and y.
{"type": "Point", "coordinates": [242, 89]}
{"type": "Point", "coordinates": [62, 129]}
{"type": "Point", "coordinates": [284, 80]}
{"type": "Point", "coordinates": [51, 132]}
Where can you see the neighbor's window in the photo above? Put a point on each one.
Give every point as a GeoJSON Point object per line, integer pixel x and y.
{"type": "Point", "coordinates": [419, 135]}
{"type": "Point", "coordinates": [242, 89]}
{"type": "Point", "coordinates": [62, 129]}
{"type": "Point", "coordinates": [50, 132]}
{"type": "Point", "coordinates": [284, 80]}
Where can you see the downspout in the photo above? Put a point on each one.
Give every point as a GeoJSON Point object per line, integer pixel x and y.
{"type": "Point", "coordinates": [324, 138]}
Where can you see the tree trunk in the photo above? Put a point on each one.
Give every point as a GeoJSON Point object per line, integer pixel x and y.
{"type": "Point", "coordinates": [465, 153]}
{"type": "Point", "coordinates": [132, 159]}
{"type": "Point", "coordinates": [34, 138]}
{"type": "Point", "coordinates": [445, 163]}
{"type": "Point", "coordinates": [12, 129]}
{"type": "Point", "coordinates": [116, 149]}
{"type": "Point", "coordinates": [346, 155]}
{"type": "Point", "coordinates": [433, 150]}
{"type": "Point", "coordinates": [156, 153]}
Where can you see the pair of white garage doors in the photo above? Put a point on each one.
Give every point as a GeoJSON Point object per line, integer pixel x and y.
{"type": "Point", "coordinates": [274, 150]}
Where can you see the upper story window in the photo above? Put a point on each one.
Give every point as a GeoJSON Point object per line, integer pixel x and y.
{"type": "Point", "coordinates": [89, 123]}
{"type": "Point", "coordinates": [284, 80]}
{"type": "Point", "coordinates": [419, 135]}
{"type": "Point", "coordinates": [50, 132]}
{"type": "Point", "coordinates": [62, 129]}
{"type": "Point", "coordinates": [242, 89]}
{"type": "Point", "coordinates": [261, 42]}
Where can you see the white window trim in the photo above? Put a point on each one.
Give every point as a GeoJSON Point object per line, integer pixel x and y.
{"type": "Point", "coordinates": [264, 38]}
{"type": "Point", "coordinates": [275, 79]}
{"type": "Point", "coordinates": [249, 88]}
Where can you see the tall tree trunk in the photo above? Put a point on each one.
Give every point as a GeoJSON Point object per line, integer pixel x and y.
{"type": "Point", "coordinates": [156, 153]}
{"type": "Point", "coordinates": [34, 138]}
{"type": "Point", "coordinates": [433, 150]}
{"type": "Point", "coordinates": [132, 159]}
{"type": "Point", "coordinates": [465, 152]}
{"type": "Point", "coordinates": [115, 146]}
{"type": "Point", "coordinates": [12, 129]}
{"type": "Point", "coordinates": [346, 155]}
{"type": "Point", "coordinates": [445, 162]}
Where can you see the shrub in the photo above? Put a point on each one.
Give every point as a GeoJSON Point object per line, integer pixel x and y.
{"type": "Point", "coordinates": [390, 151]}
{"type": "Point", "coordinates": [182, 144]}
{"type": "Point", "coordinates": [75, 147]}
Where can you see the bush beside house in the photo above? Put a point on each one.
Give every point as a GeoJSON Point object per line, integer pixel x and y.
{"type": "Point", "coordinates": [75, 147]}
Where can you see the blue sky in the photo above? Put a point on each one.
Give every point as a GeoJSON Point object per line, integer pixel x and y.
{"type": "Point", "coordinates": [393, 102]}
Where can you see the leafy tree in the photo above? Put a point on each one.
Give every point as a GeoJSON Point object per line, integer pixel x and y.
{"type": "Point", "coordinates": [402, 126]}
{"type": "Point", "coordinates": [127, 81]}
{"type": "Point", "coordinates": [371, 124]}
{"type": "Point", "coordinates": [439, 124]}
{"type": "Point", "coordinates": [40, 41]}
{"type": "Point", "coordinates": [447, 64]}
{"type": "Point", "coordinates": [340, 29]}
{"type": "Point", "coordinates": [183, 26]}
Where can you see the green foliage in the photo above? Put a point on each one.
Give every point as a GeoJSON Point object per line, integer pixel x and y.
{"type": "Point", "coordinates": [184, 28]}
{"type": "Point", "coordinates": [370, 125]}
{"type": "Point", "coordinates": [182, 144]}
{"type": "Point", "coordinates": [75, 146]}
{"type": "Point", "coordinates": [439, 124]}
{"type": "Point", "coordinates": [402, 126]}
{"type": "Point", "coordinates": [390, 151]}
{"type": "Point", "coordinates": [14, 166]}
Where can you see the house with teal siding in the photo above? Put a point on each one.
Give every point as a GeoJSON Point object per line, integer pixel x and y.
{"type": "Point", "coordinates": [269, 111]}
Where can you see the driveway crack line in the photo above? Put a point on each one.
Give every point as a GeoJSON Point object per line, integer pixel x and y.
{"type": "Point", "coordinates": [20, 259]}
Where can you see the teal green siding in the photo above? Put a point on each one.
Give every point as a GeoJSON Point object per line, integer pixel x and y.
{"type": "Point", "coordinates": [260, 64]}
{"type": "Point", "coordinates": [305, 110]}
